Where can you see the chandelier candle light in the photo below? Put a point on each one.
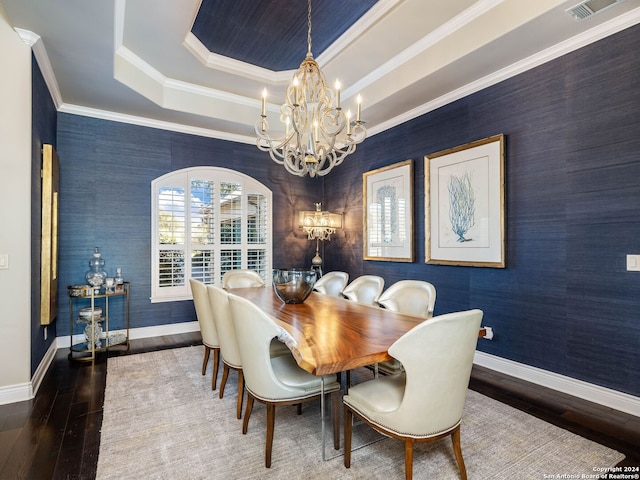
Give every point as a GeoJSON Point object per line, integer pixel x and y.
{"type": "Point", "coordinates": [318, 134]}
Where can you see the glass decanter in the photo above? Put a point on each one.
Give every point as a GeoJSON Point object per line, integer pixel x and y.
{"type": "Point", "coordinates": [96, 275]}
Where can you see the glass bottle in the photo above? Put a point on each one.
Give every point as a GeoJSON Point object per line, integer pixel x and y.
{"type": "Point", "coordinates": [96, 275]}
{"type": "Point", "coordinates": [119, 280]}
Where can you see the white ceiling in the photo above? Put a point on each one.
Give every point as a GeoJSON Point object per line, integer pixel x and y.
{"type": "Point", "coordinates": [136, 61]}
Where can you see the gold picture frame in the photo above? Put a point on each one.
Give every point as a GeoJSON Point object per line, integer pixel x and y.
{"type": "Point", "coordinates": [49, 240]}
{"type": "Point", "coordinates": [388, 213]}
{"type": "Point", "coordinates": [465, 203]}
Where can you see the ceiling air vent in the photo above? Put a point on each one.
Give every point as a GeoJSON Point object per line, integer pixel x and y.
{"type": "Point", "coordinates": [590, 7]}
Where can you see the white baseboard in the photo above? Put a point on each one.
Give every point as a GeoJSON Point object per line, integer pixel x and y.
{"type": "Point", "coordinates": [15, 393]}
{"type": "Point", "coordinates": [26, 391]}
{"type": "Point", "coordinates": [587, 391]}
{"type": "Point", "coordinates": [43, 367]}
{"type": "Point", "coordinates": [161, 330]}
{"type": "Point", "coordinates": [136, 333]}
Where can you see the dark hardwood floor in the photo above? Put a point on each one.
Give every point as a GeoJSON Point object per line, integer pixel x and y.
{"type": "Point", "coordinates": [57, 434]}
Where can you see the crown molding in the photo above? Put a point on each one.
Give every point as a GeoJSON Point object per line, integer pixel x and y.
{"type": "Point", "coordinates": [379, 10]}
{"type": "Point", "coordinates": [233, 66]}
{"type": "Point", "coordinates": [590, 36]}
{"type": "Point", "coordinates": [152, 123]}
{"type": "Point", "coordinates": [226, 64]}
{"type": "Point", "coordinates": [42, 58]}
{"type": "Point", "coordinates": [437, 35]}
{"type": "Point", "coordinates": [169, 93]}
{"type": "Point", "coordinates": [597, 33]}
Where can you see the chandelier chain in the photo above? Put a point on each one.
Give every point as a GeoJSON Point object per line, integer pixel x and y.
{"type": "Point", "coordinates": [309, 31]}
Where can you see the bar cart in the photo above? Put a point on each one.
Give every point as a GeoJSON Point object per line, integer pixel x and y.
{"type": "Point", "coordinates": [93, 308]}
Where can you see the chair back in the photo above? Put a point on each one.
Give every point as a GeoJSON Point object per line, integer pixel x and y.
{"type": "Point", "coordinates": [437, 356]}
{"type": "Point", "coordinates": [254, 332]}
{"type": "Point", "coordinates": [414, 297]}
{"type": "Point", "coordinates": [331, 283]}
{"type": "Point", "coordinates": [204, 313]}
{"type": "Point", "coordinates": [364, 289]}
{"type": "Point", "coordinates": [224, 325]}
{"type": "Point", "coordinates": [242, 278]}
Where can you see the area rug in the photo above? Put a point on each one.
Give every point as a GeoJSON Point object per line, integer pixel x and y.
{"type": "Point", "coordinates": [163, 421]}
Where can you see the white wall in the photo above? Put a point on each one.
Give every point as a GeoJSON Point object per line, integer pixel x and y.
{"type": "Point", "coordinates": [15, 212]}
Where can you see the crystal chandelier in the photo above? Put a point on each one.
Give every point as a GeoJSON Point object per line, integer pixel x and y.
{"type": "Point", "coordinates": [318, 134]}
{"type": "Point", "coordinates": [319, 226]}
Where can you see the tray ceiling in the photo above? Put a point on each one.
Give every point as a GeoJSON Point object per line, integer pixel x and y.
{"type": "Point", "coordinates": [147, 61]}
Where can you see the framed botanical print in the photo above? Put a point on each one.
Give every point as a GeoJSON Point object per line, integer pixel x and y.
{"type": "Point", "coordinates": [464, 205]}
{"type": "Point", "coordinates": [388, 213]}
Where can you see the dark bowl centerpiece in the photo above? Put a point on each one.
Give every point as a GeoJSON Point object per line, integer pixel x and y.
{"type": "Point", "coordinates": [293, 285]}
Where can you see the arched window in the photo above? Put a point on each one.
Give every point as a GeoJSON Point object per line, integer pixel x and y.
{"type": "Point", "coordinates": [206, 221]}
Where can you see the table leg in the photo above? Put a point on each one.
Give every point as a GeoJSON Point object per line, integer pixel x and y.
{"type": "Point", "coordinates": [324, 456]}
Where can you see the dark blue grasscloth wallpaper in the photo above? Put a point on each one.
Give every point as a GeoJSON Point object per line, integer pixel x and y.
{"type": "Point", "coordinates": [43, 127]}
{"type": "Point", "coordinates": [565, 302]}
{"type": "Point", "coordinates": [105, 201]}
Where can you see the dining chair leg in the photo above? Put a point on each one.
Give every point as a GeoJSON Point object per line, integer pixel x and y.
{"type": "Point", "coordinates": [216, 361]}
{"type": "Point", "coordinates": [408, 459]}
{"type": "Point", "coordinates": [457, 450]}
{"type": "Point", "coordinates": [271, 421]}
{"type": "Point", "coordinates": [247, 413]}
{"type": "Point", "coordinates": [223, 382]}
{"type": "Point", "coordinates": [348, 425]}
{"type": "Point", "coordinates": [207, 351]}
{"type": "Point", "coordinates": [240, 394]}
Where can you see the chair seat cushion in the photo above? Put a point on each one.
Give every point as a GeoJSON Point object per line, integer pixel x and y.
{"type": "Point", "coordinates": [391, 367]}
{"type": "Point", "coordinates": [382, 395]}
{"type": "Point", "coordinates": [277, 348]}
{"type": "Point", "coordinates": [289, 373]}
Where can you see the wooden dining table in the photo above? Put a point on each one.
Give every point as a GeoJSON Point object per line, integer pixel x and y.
{"type": "Point", "coordinates": [329, 334]}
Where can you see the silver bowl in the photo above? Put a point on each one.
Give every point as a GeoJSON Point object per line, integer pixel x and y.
{"type": "Point", "coordinates": [293, 285]}
{"type": "Point", "coordinates": [87, 314]}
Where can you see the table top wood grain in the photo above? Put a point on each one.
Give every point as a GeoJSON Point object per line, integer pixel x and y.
{"type": "Point", "coordinates": [330, 334]}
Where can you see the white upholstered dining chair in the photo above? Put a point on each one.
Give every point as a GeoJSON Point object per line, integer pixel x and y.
{"type": "Point", "coordinates": [207, 327]}
{"type": "Point", "coordinates": [331, 283]}
{"type": "Point", "coordinates": [241, 278]}
{"type": "Point", "coordinates": [229, 350]}
{"type": "Point", "coordinates": [273, 380]}
{"type": "Point", "coordinates": [414, 297]}
{"type": "Point", "coordinates": [364, 289]}
{"type": "Point", "coordinates": [245, 278]}
{"type": "Point", "coordinates": [228, 342]}
{"type": "Point", "coordinates": [425, 402]}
